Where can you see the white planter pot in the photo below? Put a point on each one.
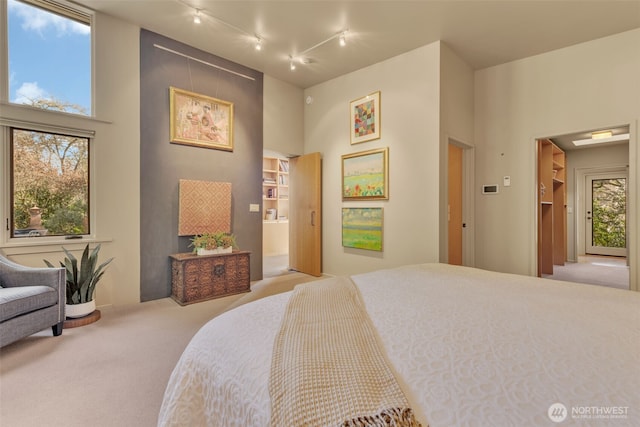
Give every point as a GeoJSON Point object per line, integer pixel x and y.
{"type": "Point", "coordinates": [79, 310]}
{"type": "Point", "coordinates": [202, 251]}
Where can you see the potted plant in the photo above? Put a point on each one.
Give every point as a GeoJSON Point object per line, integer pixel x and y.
{"type": "Point", "coordinates": [81, 281]}
{"type": "Point", "coordinates": [213, 243]}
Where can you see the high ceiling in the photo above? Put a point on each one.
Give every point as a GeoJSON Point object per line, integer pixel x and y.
{"type": "Point", "coordinates": [484, 33]}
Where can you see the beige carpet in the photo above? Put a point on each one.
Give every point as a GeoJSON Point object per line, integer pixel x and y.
{"type": "Point", "coordinates": [612, 272]}
{"type": "Point", "coordinates": [112, 372]}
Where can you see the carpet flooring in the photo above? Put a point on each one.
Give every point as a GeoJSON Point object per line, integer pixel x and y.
{"type": "Point", "coordinates": [594, 270]}
{"type": "Point", "coordinates": [112, 372]}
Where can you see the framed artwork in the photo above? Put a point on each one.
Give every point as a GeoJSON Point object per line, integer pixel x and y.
{"type": "Point", "coordinates": [200, 120]}
{"type": "Point", "coordinates": [365, 118]}
{"type": "Point", "coordinates": [362, 228]}
{"type": "Point", "coordinates": [365, 175]}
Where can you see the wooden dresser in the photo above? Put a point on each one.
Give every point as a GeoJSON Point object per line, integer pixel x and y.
{"type": "Point", "coordinates": [197, 278]}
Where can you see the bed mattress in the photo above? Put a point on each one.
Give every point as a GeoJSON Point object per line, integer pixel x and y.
{"type": "Point", "coordinates": [468, 347]}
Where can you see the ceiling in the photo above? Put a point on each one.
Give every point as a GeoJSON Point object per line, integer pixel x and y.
{"type": "Point", "coordinates": [566, 141]}
{"type": "Point", "coordinates": [483, 33]}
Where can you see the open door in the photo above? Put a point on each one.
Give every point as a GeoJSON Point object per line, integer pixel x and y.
{"type": "Point", "coordinates": [305, 214]}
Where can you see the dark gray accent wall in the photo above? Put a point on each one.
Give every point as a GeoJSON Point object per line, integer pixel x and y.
{"type": "Point", "coordinates": [163, 164]}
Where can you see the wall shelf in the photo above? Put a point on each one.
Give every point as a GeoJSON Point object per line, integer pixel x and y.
{"type": "Point", "coordinates": [552, 217]}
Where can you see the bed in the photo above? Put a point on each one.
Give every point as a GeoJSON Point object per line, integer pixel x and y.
{"type": "Point", "coordinates": [467, 347]}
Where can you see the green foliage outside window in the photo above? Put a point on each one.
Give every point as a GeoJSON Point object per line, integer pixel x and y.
{"type": "Point", "coordinates": [609, 213]}
{"type": "Point", "coordinates": [51, 172]}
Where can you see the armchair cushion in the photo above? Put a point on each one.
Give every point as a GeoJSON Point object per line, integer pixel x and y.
{"type": "Point", "coordinates": [25, 299]}
{"type": "Point", "coordinates": [31, 299]}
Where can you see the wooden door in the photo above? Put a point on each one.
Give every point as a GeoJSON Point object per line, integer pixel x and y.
{"type": "Point", "coordinates": [305, 214]}
{"type": "Point", "coordinates": [454, 212]}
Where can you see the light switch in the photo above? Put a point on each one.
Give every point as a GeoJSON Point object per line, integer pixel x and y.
{"type": "Point", "coordinates": [507, 181]}
{"type": "Point", "coordinates": [254, 207]}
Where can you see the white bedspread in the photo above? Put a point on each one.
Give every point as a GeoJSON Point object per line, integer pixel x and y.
{"type": "Point", "coordinates": [469, 347]}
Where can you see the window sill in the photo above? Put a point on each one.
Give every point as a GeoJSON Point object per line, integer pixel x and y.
{"type": "Point", "coordinates": [41, 245]}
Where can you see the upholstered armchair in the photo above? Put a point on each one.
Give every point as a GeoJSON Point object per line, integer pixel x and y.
{"type": "Point", "coordinates": [31, 299]}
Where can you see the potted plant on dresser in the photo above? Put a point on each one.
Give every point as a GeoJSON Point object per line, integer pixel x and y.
{"type": "Point", "coordinates": [213, 243]}
{"type": "Point", "coordinates": [81, 281]}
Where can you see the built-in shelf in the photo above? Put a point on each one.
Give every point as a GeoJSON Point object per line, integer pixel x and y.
{"type": "Point", "coordinates": [275, 189]}
{"type": "Point", "coordinates": [552, 218]}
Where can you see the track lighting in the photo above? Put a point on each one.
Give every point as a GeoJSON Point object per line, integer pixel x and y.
{"type": "Point", "coordinates": [196, 17]}
{"type": "Point", "coordinates": [341, 36]}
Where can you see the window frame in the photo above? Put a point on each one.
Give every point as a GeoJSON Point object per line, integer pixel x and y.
{"type": "Point", "coordinates": [11, 229]}
{"type": "Point", "coordinates": [60, 7]}
{"type": "Point", "coordinates": [30, 118]}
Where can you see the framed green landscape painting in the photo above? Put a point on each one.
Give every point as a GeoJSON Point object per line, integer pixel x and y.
{"type": "Point", "coordinates": [362, 228]}
{"type": "Point", "coordinates": [365, 175]}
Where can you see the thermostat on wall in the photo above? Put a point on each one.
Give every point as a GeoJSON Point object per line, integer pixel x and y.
{"type": "Point", "coordinates": [490, 189]}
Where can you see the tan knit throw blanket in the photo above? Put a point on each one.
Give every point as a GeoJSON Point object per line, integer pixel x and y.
{"type": "Point", "coordinates": [327, 368]}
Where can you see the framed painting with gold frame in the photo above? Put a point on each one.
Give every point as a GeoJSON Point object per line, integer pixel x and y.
{"type": "Point", "coordinates": [365, 175]}
{"type": "Point", "coordinates": [362, 228]}
{"type": "Point", "coordinates": [200, 120]}
{"type": "Point", "coordinates": [365, 118]}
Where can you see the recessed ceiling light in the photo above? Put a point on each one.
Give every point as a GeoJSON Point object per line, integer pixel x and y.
{"type": "Point", "coordinates": [602, 134]}
{"type": "Point", "coordinates": [601, 140]}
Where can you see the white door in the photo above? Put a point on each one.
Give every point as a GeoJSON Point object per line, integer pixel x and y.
{"type": "Point", "coordinates": [606, 212]}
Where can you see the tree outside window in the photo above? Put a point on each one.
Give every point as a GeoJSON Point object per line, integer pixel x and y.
{"type": "Point", "coordinates": [609, 212]}
{"type": "Point", "coordinates": [50, 174]}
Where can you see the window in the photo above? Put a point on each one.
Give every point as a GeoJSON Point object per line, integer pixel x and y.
{"type": "Point", "coordinates": [49, 56]}
{"type": "Point", "coordinates": [49, 184]}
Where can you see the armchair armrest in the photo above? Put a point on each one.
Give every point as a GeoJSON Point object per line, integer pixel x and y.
{"type": "Point", "coordinates": [12, 275]}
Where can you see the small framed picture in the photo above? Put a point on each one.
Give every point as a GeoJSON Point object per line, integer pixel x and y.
{"type": "Point", "coordinates": [365, 118]}
{"type": "Point", "coordinates": [365, 175]}
{"type": "Point", "coordinates": [362, 228]}
{"type": "Point", "coordinates": [200, 120]}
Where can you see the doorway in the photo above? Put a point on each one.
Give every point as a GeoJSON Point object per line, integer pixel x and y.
{"type": "Point", "coordinates": [454, 207]}
{"type": "Point", "coordinates": [606, 209]}
{"type": "Point", "coordinates": [459, 205]}
{"type": "Point", "coordinates": [597, 181]}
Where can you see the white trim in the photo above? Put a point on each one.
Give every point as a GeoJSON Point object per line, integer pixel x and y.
{"type": "Point", "coordinates": [43, 127]}
{"type": "Point", "coordinates": [580, 221]}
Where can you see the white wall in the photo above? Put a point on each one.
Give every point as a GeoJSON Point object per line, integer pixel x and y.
{"type": "Point", "coordinates": [588, 86]}
{"type": "Point", "coordinates": [409, 86]}
{"type": "Point", "coordinates": [115, 167]}
{"type": "Point", "coordinates": [456, 127]}
{"type": "Point", "coordinates": [283, 124]}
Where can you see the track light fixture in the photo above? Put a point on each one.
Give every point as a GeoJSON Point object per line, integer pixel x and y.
{"type": "Point", "coordinates": [343, 39]}
{"type": "Point", "coordinates": [199, 13]}
{"type": "Point", "coordinates": [197, 19]}
{"type": "Point", "coordinates": [341, 36]}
